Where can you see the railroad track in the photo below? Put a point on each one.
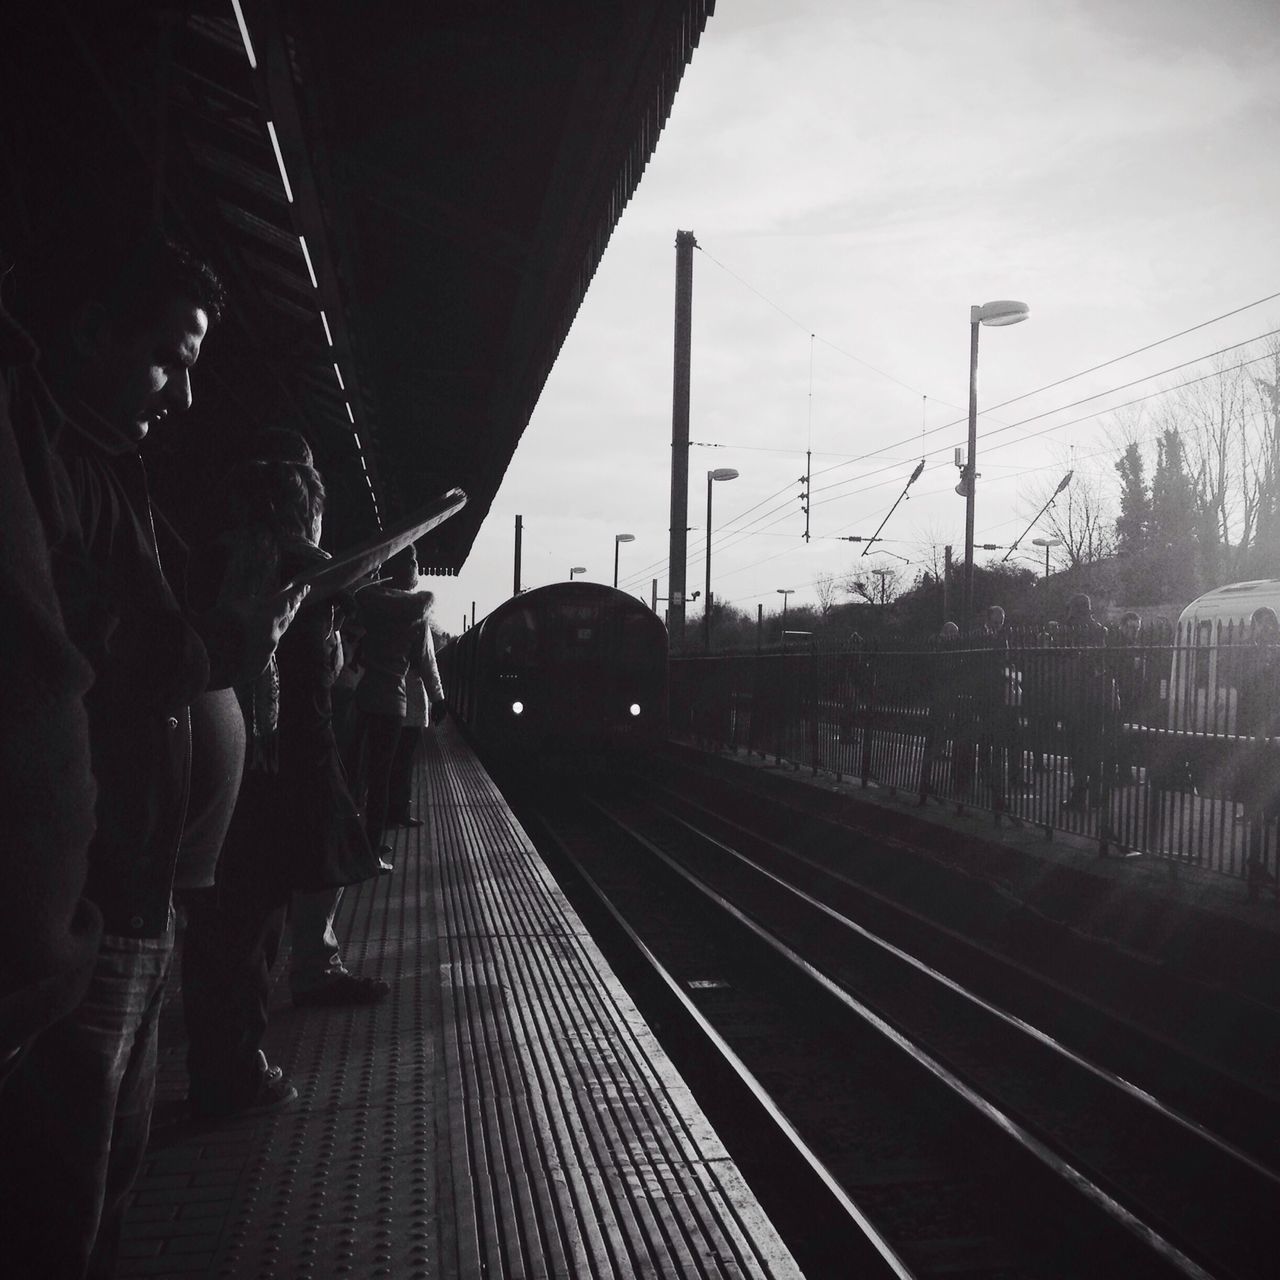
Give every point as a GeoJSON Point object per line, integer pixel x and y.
{"type": "Point", "coordinates": [913, 1122]}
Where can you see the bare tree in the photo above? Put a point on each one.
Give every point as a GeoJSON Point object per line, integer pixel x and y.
{"type": "Point", "coordinates": [933, 540]}
{"type": "Point", "coordinates": [828, 587]}
{"type": "Point", "coordinates": [1082, 518]}
{"type": "Point", "coordinates": [876, 580]}
{"type": "Point", "coordinates": [1214, 419]}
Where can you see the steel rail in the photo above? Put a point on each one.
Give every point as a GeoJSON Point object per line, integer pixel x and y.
{"type": "Point", "coordinates": [1038, 1149]}
{"type": "Point", "coordinates": [1164, 1110]}
{"type": "Point", "coordinates": [716, 1041]}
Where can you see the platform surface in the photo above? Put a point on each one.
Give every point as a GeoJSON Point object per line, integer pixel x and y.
{"type": "Point", "coordinates": [505, 1112]}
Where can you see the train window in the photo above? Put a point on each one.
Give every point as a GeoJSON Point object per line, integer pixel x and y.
{"type": "Point", "coordinates": [1204, 644]}
{"type": "Point", "coordinates": [516, 638]}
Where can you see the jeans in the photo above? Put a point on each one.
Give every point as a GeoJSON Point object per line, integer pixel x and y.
{"type": "Point", "coordinates": [316, 954]}
{"type": "Point", "coordinates": [75, 1117]}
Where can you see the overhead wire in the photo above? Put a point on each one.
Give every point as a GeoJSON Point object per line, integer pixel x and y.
{"type": "Point", "coordinates": [1182, 333]}
{"type": "Point", "coordinates": [736, 537]}
{"type": "Point", "coordinates": [725, 537]}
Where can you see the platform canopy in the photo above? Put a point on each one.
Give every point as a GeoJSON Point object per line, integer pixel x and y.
{"type": "Point", "coordinates": [455, 170]}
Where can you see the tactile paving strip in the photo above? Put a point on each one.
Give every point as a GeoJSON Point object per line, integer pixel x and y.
{"type": "Point", "coordinates": [505, 1112]}
{"type": "Point", "coordinates": [343, 1183]}
{"type": "Point", "coordinates": [578, 1150]}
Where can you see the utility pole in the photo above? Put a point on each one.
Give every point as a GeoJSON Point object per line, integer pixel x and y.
{"type": "Point", "coordinates": [946, 583]}
{"type": "Point", "coordinates": [970, 472]}
{"type": "Point", "coordinates": [685, 245]}
{"type": "Point", "coordinates": [473, 613]}
{"type": "Point", "coordinates": [653, 595]}
{"type": "Point", "coordinates": [519, 539]}
{"type": "Point", "coordinates": [759, 626]}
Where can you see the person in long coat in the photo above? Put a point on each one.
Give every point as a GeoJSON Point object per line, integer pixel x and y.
{"type": "Point", "coordinates": [295, 826]}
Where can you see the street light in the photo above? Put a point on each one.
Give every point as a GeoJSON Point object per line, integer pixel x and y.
{"type": "Point", "coordinates": [618, 540]}
{"type": "Point", "coordinates": [1046, 543]}
{"type": "Point", "coordinates": [882, 574]}
{"type": "Point", "coordinates": [575, 570]}
{"type": "Point", "coordinates": [995, 314]}
{"type": "Point", "coordinates": [784, 592]}
{"type": "Point", "coordinates": [720, 473]}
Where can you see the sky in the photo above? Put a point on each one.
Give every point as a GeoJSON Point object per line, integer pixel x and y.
{"type": "Point", "coordinates": [857, 176]}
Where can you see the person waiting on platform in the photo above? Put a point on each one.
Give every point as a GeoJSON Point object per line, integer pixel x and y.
{"type": "Point", "coordinates": [393, 614]}
{"type": "Point", "coordinates": [424, 706]}
{"type": "Point", "coordinates": [123, 319]}
{"type": "Point", "coordinates": [295, 826]}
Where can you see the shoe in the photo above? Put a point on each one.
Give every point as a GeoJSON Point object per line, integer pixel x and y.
{"type": "Point", "coordinates": [274, 1092]}
{"type": "Point", "coordinates": [406, 821]}
{"type": "Point", "coordinates": [385, 868]}
{"type": "Point", "coordinates": [342, 988]}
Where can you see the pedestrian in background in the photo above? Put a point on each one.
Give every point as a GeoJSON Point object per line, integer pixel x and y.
{"type": "Point", "coordinates": [392, 613]}
{"type": "Point", "coordinates": [424, 705]}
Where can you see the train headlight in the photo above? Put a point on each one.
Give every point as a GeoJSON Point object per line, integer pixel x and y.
{"type": "Point", "coordinates": [517, 708]}
{"type": "Point", "coordinates": [635, 708]}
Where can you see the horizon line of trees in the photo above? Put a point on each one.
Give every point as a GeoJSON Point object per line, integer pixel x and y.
{"type": "Point", "coordinates": [1188, 499]}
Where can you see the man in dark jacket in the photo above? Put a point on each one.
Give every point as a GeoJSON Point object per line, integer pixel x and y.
{"type": "Point", "coordinates": [122, 332]}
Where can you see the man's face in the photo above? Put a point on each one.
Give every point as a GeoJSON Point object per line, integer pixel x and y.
{"type": "Point", "coordinates": [141, 375]}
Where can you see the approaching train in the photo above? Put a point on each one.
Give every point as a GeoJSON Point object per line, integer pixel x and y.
{"type": "Point", "coordinates": [570, 672]}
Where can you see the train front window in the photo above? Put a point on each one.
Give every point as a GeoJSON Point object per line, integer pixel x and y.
{"type": "Point", "coordinates": [515, 642]}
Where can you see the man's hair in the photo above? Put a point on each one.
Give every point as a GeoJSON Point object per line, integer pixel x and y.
{"type": "Point", "coordinates": [282, 444]}
{"type": "Point", "coordinates": [1130, 617]}
{"type": "Point", "coordinates": [1079, 602]}
{"type": "Point", "coordinates": [1264, 615]}
{"type": "Point", "coordinates": [282, 498]}
{"type": "Point", "coordinates": [132, 276]}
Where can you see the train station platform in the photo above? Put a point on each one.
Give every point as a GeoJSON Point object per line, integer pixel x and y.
{"type": "Point", "coordinates": [504, 1112]}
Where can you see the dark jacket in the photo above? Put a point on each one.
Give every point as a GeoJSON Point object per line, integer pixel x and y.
{"type": "Point", "coordinates": [149, 663]}
{"type": "Point", "coordinates": [48, 932]}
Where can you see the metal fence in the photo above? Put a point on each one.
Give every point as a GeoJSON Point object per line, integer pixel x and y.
{"type": "Point", "coordinates": [1169, 749]}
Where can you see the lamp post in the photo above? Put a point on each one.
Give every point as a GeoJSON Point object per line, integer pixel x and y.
{"type": "Point", "coordinates": [784, 592]}
{"type": "Point", "coordinates": [1046, 543]}
{"type": "Point", "coordinates": [577, 569]}
{"type": "Point", "coordinates": [720, 473]}
{"type": "Point", "coordinates": [618, 540]}
{"type": "Point", "coordinates": [995, 314]}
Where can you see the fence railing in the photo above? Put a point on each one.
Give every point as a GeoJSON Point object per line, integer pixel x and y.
{"type": "Point", "coordinates": [1167, 749]}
